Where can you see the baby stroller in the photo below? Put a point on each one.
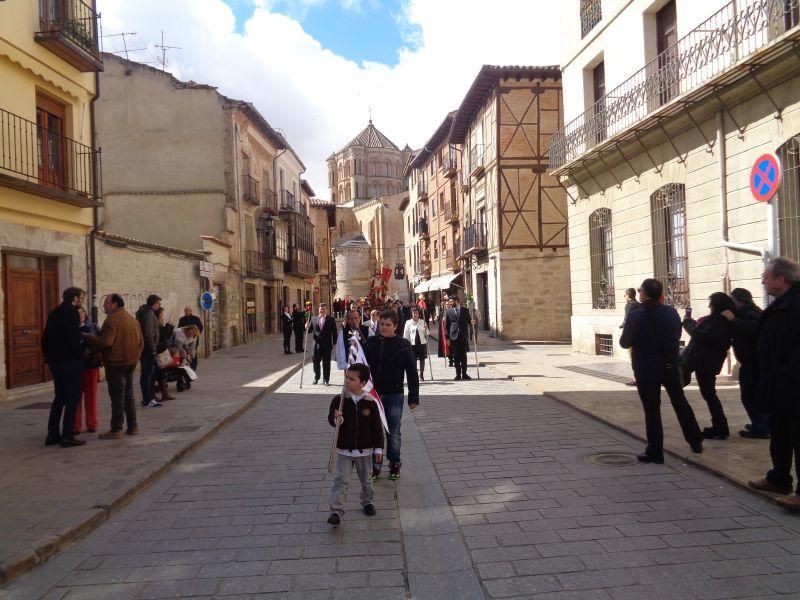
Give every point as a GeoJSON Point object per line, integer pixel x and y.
{"type": "Point", "coordinates": [179, 376]}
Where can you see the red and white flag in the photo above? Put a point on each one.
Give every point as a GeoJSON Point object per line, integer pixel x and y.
{"type": "Point", "coordinates": [356, 355]}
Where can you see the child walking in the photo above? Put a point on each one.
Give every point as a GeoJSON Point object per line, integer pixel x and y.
{"type": "Point", "coordinates": [360, 435]}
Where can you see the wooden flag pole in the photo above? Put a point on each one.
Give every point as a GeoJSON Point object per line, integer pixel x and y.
{"type": "Point", "coordinates": [475, 339]}
{"type": "Point", "coordinates": [340, 420]}
{"type": "Point", "coordinates": [305, 347]}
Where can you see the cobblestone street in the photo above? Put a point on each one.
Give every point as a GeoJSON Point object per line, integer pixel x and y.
{"type": "Point", "coordinates": [501, 496]}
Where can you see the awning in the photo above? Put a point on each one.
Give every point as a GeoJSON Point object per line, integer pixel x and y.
{"type": "Point", "coordinates": [436, 283]}
{"type": "Point", "coordinates": [422, 286]}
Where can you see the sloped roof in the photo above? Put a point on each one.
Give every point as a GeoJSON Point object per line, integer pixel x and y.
{"type": "Point", "coordinates": [371, 138]}
{"type": "Point", "coordinates": [436, 140]}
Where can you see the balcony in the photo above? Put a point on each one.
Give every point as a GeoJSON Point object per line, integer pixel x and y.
{"type": "Point", "coordinates": [287, 202]}
{"type": "Point", "coordinates": [68, 28]}
{"type": "Point", "coordinates": [716, 53]}
{"type": "Point", "coordinates": [422, 226]}
{"type": "Point", "coordinates": [476, 160]}
{"type": "Point", "coordinates": [474, 239]}
{"type": "Point", "coordinates": [464, 179]}
{"type": "Point", "coordinates": [449, 163]}
{"type": "Point", "coordinates": [450, 212]}
{"type": "Point", "coordinates": [301, 263]}
{"type": "Point", "coordinates": [422, 190]}
{"type": "Point", "coordinates": [250, 193]}
{"type": "Point", "coordinates": [270, 201]}
{"type": "Point", "coordinates": [256, 264]}
{"type": "Point", "coordinates": [591, 13]}
{"type": "Point", "coordinates": [42, 162]}
{"type": "Point", "coordinates": [457, 251]}
{"type": "Point", "coordinates": [448, 258]}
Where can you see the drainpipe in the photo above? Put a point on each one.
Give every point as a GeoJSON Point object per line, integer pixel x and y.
{"type": "Point", "coordinates": [723, 209]}
{"type": "Point", "coordinates": [96, 182]}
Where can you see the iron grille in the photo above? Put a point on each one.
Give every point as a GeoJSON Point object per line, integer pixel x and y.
{"type": "Point", "coordinates": [250, 187]}
{"type": "Point", "coordinates": [604, 344]}
{"type": "Point", "coordinates": [591, 13]}
{"type": "Point", "coordinates": [601, 258]}
{"type": "Point", "coordinates": [670, 253]}
{"type": "Point", "coordinates": [788, 201]}
{"type": "Point", "coordinates": [728, 37]}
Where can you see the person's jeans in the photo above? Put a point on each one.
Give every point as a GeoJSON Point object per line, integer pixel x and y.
{"type": "Point", "coordinates": [747, 385]}
{"type": "Point", "coordinates": [148, 366]}
{"type": "Point", "coordinates": [784, 445]}
{"type": "Point", "coordinates": [120, 389]}
{"type": "Point", "coordinates": [67, 386]}
{"type": "Point", "coordinates": [393, 406]}
{"type": "Point", "coordinates": [707, 382]}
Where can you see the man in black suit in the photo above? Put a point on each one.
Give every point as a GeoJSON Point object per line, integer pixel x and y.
{"type": "Point", "coordinates": [458, 326]}
{"type": "Point", "coordinates": [323, 328]}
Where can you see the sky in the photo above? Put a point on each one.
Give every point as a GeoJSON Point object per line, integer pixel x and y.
{"type": "Point", "coordinates": [316, 68]}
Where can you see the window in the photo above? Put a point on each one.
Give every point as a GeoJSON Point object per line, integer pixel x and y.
{"type": "Point", "coordinates": [591, 13]}
{"type": "Point", "coordinates": [670, 251]}
{"type": "Point", "coordinates": [435, 248]}
{"type": "Point", "coordinates": [788, 200]}
{"type": "Point", "coordinates": [599, 91]}
{"type": "Point", "coordinates": [51, 142]}
{"type": "Point", "coordinates": [601, 258]}
{"type": "Point", "coordinates": [666, 40]}
{"type": "Point", "coordinates": [604, 344]}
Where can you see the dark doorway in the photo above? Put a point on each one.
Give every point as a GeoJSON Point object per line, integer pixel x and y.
{"type": "Point", "coordinates": [483, 299]}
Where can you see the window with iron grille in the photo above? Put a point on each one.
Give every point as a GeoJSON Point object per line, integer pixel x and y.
{"type": "Point", "coordinates": [604, 344]}
{"type": "Point", "coordinates": [670, 251]}
{"type": "Point", "coordinates": [591, 13]}
{"type": "Point", "coordinates": [788, 200]}
{"type": "Point", "coordinates": [601, 258]}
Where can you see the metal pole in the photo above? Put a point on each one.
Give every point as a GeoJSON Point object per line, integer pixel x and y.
{"type": "Point", "coordinates": [475, 336]}
{"type": "Point", "coordinates": [305, 347]}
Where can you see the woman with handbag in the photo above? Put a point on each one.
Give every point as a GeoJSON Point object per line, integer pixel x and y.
{"type": "Point", "coordinates": [163, 357]}
{"type": "Point", "coordinates": [705, 355]}
{"type": "Point", "coordinates": [416, 332]}
{"type": "Point", "coordinates": [91, 370]}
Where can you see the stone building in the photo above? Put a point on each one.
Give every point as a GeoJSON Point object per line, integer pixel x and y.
{"type": "Point", "coordinates": [189, 168]}
{"type": "Point", "coordinates": [323, 216]}
{"type": "Point", "coordinates": [49, 180]}
{"type": "Point", "coordinates": [668, 106]}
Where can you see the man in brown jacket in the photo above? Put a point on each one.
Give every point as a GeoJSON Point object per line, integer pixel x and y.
{"type": "Point", "coordinates": [121, 343]}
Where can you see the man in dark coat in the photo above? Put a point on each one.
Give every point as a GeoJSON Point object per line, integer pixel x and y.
{"type": "Point", "coordinates": [458, 326]}
{"type": "Point", "coordinates": [744, 321]}
{"type": "Point", "coordinates": [148, 321]}
{"type": "Point", "coordinates": [63, 351]}
{"type": "Point", "coordinates": [323, 329]}
{"type": "Point", "coordinates": [778, 375]}
{"type": "Point", "coordinates": [654, 332]}
{"type": "Point", "coordinates": [299, 326]}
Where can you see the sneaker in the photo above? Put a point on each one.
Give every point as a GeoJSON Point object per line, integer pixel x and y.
{"type": "Point", "coordinates": [154, 403]}
{"type": "Point", "coordinates": [394, 471]}
{"type": "Point", "coordinates": [376, 473]}
{"type": "Point", "coordinates": [334, 520]}
{"type": "Point", "coordinates": [369, 510]}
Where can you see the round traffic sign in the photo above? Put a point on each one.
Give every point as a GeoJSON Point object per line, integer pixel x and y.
{"type": "Point", "coordinates": [206, 300]}
{"type": "Point", "coordinates": [765, 177]}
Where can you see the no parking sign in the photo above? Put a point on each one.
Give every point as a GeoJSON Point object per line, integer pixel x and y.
{"type": "Point", "coordinates": [765, 177]}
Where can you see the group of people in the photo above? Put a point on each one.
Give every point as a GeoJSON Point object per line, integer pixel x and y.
{"type": "Point", "coordinates": [766, 345]}
{"type": "Point", "coordinates": [75, 350]}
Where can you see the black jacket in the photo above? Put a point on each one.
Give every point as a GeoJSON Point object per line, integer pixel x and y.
{"type": "Point", "coordinates": [654, 333]}
{"type": "Point", "coordinates": [361, 427]}
{"type": "Point", "coordinates": [61, 340]}
{"type": "Point", "coordinates": [324, 339]}
{"type": "Point", "coordinates": [164, 333]}
{"type": "Point", "coordinates": [711, 340]}
{"type": "Point", "coordinates": [287, 323]}
{"type": "Point", "coordinates": [778, 355]}
{"type": "Point", "coordinates": [458, 324]}
{"type": "Point", "coordinates": [745, 328]}
{"type": "Point", "coordinates": [148, 321]}
{"type": "Point", "coordinates": [91, 358]}
{"type": "Point", "coordinates": [298, 320]}
{"type": "Point", "coordinates": [390, 359]}
{"type": "Point", "coordinates": [185, 321]}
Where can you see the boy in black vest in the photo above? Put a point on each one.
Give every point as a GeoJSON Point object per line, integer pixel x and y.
{"type": "Point", "coordinates": [360, 434]}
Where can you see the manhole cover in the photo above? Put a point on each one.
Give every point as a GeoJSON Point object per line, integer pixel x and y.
{"type": "Point", "coordinates": [36, 406]}
{"type": "Point", "coordinates": [182, 429]}
{"type": "Point", "coordinates": [611, 459]}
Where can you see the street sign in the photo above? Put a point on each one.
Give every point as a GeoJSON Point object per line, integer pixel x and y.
{"type": "Point", "coordinates": [206, 269]}
{"type": "Point", "coordinates": [206, 300]}
{"type": "Point", "coordinates": [765, 177]}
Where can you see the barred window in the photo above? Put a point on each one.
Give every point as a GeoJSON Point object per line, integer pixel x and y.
{"type": "Point", "coordinates": [670, 250]}
{"type": "Point", "coordinates": [788, 200]}
{"type": "Point", "coordinates": [601, 258]}
{"type": "Point", "coordinates": [591, 13]}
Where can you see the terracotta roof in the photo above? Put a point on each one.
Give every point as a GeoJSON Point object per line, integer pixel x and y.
{"type": "Point", "coordinates": [484, 83]}
{"type": "Point", "coordinates": [320, 203]}
{"type": "Point", "coordinates": [371, 138]}
{"type": "Point", "coordinates": [436, 140]}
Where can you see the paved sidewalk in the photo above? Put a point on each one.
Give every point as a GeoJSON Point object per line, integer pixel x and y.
{"type": "Point", "coordinates": [51, 496]}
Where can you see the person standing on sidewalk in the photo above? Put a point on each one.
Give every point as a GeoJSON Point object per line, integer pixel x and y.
{"type": "Point", "coordinates": [351, 324]}
{"type": "Point", "coordinates": [416, 332]}
{"type": "Point", "coordinates": [287, 321]}
{"type": "Point", "coordinates": [89, 378]}
{"type": "Point", "coordinates": [654, 333]}
{"type": "Point", "coordinates": [165, 331]}
{"type": "Point", "coordinates": [459, 330]}
{"type": "Point", "coordinates": [778, 376]}
{"type": "Point", "coordinates": [63, 352]}
{"type": "Point", "coordinates": [323, 329]}
{"type": "Point", "coordinates": [121, 343]}
{"type": "Point", "coordinates": [744, 320]}
{"type": "Point", "coordinates": [631, 304]}
{"type": "Point", "coordinates": [390, 359]}
{"type": "Point", "coordinates": [148, 321]}
{"type": "Point", "coordinates": [299, 327]}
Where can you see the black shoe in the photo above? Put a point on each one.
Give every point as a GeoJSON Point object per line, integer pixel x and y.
{"type": "Point", "coordinates": [712, 433]}
{"type": "Point", "coordinates": [52, 440]}
{"type": "Point", "coordinates": [457, 378]}
{"type": "Point", "coordinates": [316, 381]}
{"type": "Point", "coordinates": [697, 447]}
{"type": "Point", "coordinates": [369, 510]}
{"type": "Point", "coordinates": [72, 442]}
{"type": "Point", "coordinates": [466, 377]}
{"type": "Point", "coordinates": [756, 435]}
{"type": "Point", "coordinates": [648, 458]}
{"type": "Point", "coordinates": [327, 383]}
{"type": "Point", "coordinates": [334, 520]}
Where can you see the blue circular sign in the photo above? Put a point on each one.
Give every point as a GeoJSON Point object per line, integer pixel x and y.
{"type": "Point", "coordinates": [206, 300]}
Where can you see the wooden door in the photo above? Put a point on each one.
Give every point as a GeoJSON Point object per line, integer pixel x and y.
{"type": "Point", "coordinates": [50, 117]}
{"type": "Point", "coordinates": [268, 316]}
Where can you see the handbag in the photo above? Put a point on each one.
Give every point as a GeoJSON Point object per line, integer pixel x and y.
{"type": "Point", "coordinates": [164, 359]}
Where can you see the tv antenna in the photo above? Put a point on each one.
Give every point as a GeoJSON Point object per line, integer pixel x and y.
{"type": "Point", "coordinates": [125, 48]}
{"type": "Point", "coordinates": [164, 49]}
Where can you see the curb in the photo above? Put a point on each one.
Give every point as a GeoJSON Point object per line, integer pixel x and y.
{"type": "Point", "coordinates": [51, 546]}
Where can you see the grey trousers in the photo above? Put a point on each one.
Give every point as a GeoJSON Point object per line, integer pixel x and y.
{"type": "Point", "coordinates": [344, 469]}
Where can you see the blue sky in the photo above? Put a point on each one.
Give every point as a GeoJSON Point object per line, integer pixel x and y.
{"type": "Point", "coordinates": [366, 31]}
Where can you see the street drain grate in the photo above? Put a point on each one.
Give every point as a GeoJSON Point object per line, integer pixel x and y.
{"type": "Point", "coordinates": [182, 429]}
{"type": "Point", "coordinates": [599, 374]}
{"type": "Point", "coordinates": [611, 459]}
{"type": "Point", "coordinates": [36, 406]}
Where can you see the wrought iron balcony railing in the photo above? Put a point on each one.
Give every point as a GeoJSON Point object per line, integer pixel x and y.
{"type": "Point", "coordinates": [457, 248]}
{"type": "Point", "coordinates": [250, 187]}
{"type": "Point", "coordinates": [448, 258]}
{"type": "Point", "coordinates": [476, 160]}
{"type": "Point", "coordinates": [724, 40]}
{"type": "Point", "coordinates": [255, 264]}
{"type": "Point", "coordinates": [288, 202]}
{"type": "Point", "coordinates": [464, 178]}
{"type": "Point", "coordinates": [450, 211]}
{"type": "Point", "coordinates": [474, 239]}
{"type": "Point", "coordinates": [422, 226]}
{"type": "Point", "coordinates": [270, 201]}
{"type": "Point", "coordinates": [422, 189]}
{"type": "Point", "coordinates": [43, 162]}
{"type": "Point", "coordinates": [68, 28]}
{"type": "Point", "coordinates": [301, 262]}
{"type": "Point", "coordinates": [449, 163]}
{"type": "Point", "coordinates": [591, 13]}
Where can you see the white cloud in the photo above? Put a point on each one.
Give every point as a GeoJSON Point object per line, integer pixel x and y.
{"type": "Point", "coordinates": [319, 99]}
